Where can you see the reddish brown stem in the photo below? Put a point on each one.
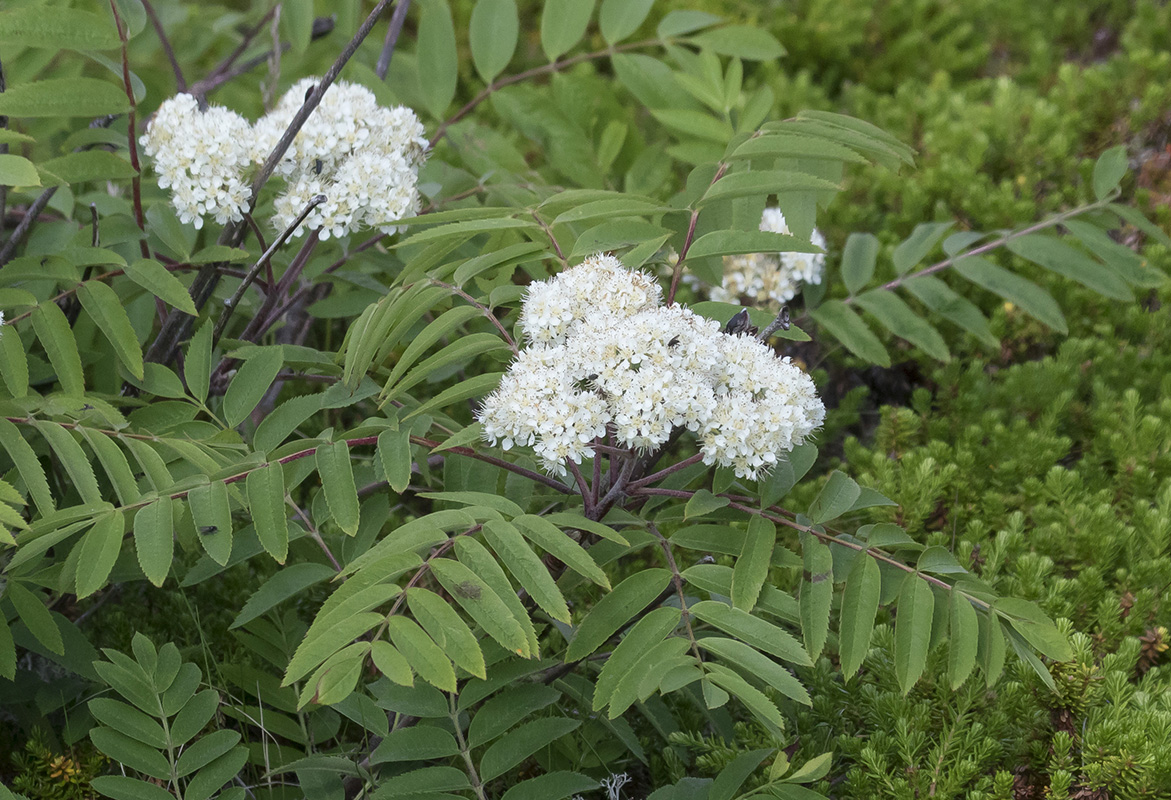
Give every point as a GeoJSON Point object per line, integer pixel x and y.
{"type": "Point", "coordinates": [132, 132]}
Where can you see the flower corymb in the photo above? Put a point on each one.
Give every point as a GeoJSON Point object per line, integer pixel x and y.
{"type": "Point", "coordinates": [363, 157]}
{"type": "Point", "coordinates": [605, 356]}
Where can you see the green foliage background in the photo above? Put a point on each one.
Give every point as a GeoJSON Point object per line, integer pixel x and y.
{"type": "Point", "coordinates": [1038, 458]}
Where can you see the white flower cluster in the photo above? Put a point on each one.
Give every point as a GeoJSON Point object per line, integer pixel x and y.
{"type": "Point", "coordinates": [770, 279]}
{"type": "Point", "coordinates": [202, 157]}
{"type": "Point", "coordinates": [605, 354]}
{"type": "Point", "coordinates": [364, 158]}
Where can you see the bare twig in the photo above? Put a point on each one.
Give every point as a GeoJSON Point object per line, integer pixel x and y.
{"type": "Point", "coordinates": [392, 32]}
{"type": "Point", "coordinates": [3, 150]}
{"type": "Point", "coordinates": [25, 224]}
{"type": "Point", "coordinates": [132, 131]}
{"type": "Point", "coordinates": [314, 533]}
{"type": "Point", "coordinates": [546, 69]}
{"type": "Point", "coordinates": [689, 239]}
{"type": "Point", "coordinates": [180, 81]}
{"type": "Point", "coordinates": [483, 310]}
{"type": "Point", "coordinates": [231, 303]}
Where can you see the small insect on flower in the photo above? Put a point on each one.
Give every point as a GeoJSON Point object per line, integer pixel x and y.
{"type": "Point", "coordinates": [740, 324]}
{"type": "Point", "coordinates": [468, 590]}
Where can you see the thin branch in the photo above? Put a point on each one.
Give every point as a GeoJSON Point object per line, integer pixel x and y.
{"type": "Point", "coordinates": [677, 579]}
{"type": "Point", "coordinates": [552, 239]}
{"type": "Point", "coordinates": [677, 272]}
{"type": "Point", "coordinates": [231, 303]}
{"type": "Point", "coordinates": [546, 69]}
{"type": "Point", "coordinates": [25, 224]}
{"type": "Point", "coordinates": [465, 752]}
{"type": "Point", "coordinates": [132, 131]}
{"type": "Point", "coordinates": [314, 533]}
{"type": "Point", "coordinates": [396, 25]}
{"type": "Point", "coordinates": [483, 310]}
{"type": "Point", "coordinates": [1052, 222]}
{"type": "Point", "coordinates": [658, 476]}
{"type": "Point", "coordinates": [202, 87]}
{"type": "Point", "coordinates": [180, 81]}
{"type": "Point", "coordinates": [251, 220]}
{"type": "Point", "coordinates": [272, 310]}
{"type": "Point", "coordinates": [582, 487]}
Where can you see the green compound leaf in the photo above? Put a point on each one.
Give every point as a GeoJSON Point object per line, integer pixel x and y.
{"type": "Point", "coordinates": [965, 639]}
{"type": "Point", "coordinates": [1109, 170]}
{"type": "Point", "coordinates": [836, 498]}
{"type": "Point", "coordinates": [638, 641]}
{"type": "Point", "coordinates": [858, 260]}
{"type": "Point", "coordinates": [36, 617]}
{"type": "Point", "coordinates": [91, 165]}
{"type": "Point", "coordinates": [197, 364]}
{"type": "Point", "coordinates": [521, 743]}
{"type": "Point", "coordinates": [897, 317]}
{"type": "Point", "coordinates": [752, 631]}
{"type": "Point", "coordinates": [64, 28]}
{"type": "Point", "coordinates": [817, 584]}
{"type": "Point", "coordinates": [438, 57]}
{"type": "Point", "coordinates": [919, 245]}
{"type": "Point", "coordinates": [482, 604]}
{"type": "Point", "coordinates": [425, 657]}
{"type": "Point", "coordinates": [56, 335]}
{"type": "Point", "coordinates": [552, 539]}
{"type": "Point", "coordinates": [751, 568]}
{"type": "Point", "coordinates": [212, 514]}
{"type": "Point", "coordinates": [527, 568]}
{"type": "Point", "coordinates": [1032, 299]}
{"type": "Point", "coordinates": [451, 633]}
{"type": "Point", "coordinates": [620, 18]}
{"type": "Point", "coordinates": [394, 452]}
{"type": "Point", "coordinates": [154, 277]}
{"type": "Point", "coordinates": [17, 170]}
{"type": "Point", "coordinates": [551, 786]}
